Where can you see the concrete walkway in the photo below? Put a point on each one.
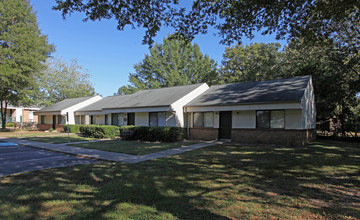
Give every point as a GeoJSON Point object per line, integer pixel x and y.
{"type": "Point", "coordinates": [105, 155]}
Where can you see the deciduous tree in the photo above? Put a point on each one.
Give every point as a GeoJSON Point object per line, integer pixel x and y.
{"type": "Point", "coordinates": [233, 19]}
{"type": "Point", "coordinates": [61, 80]}
{"type": "Point", "coordinates": [253, 62]}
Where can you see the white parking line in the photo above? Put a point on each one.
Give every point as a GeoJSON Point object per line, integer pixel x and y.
{"type": "Point", "coordinates": [31, 160]}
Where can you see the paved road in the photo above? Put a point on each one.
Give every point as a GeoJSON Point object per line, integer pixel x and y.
{"type": "Point", "coordinates": [17, 159]}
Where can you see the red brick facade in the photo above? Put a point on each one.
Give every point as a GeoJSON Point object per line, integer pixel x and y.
{"type": "Point", "coordinates": [258, 136]}
{"type": "Point", "coordinates": [205, 134]}
{"type": "Point", "coordinates": [44, 127]}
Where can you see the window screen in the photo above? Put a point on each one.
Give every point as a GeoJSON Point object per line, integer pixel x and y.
{"type": "Point", "coordinates": [198, 119]}
{"type": "Point", "coordinates": [277, 119]}
{"type": "Point", "coordinates": [208, 119]}
{"type": "Point", "coordinates": [270, 119]}
{"type": "Point", "coordinates": [153, 119]}
{"type": "Point", "coordinates": [262, 119]}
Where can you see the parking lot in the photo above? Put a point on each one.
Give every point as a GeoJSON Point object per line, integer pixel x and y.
{"type": "Point", "coordinates": [18, 159]}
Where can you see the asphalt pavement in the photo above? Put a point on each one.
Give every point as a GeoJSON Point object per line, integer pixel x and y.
{"type": "Point", "coordinates": [18, 159]}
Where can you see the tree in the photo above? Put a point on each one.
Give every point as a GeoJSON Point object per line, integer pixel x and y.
{"type": "Point", "coordinates": [335, 83]}
{"type": "Point", "coordinates": [60, 80]}
{"type": "Point", "coordinates": [23, 51]}
{"type": "Point", "coordinates": [232, 18]}
{"type": "Point", "coordinates": [172, 63]}
{"type": "Point", "coordinates": [251, 62]}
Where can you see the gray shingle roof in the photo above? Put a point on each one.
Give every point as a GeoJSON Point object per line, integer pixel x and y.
{"type": "Point", "coordinates": [280, 90]}
{"type": "Point", "coordinates": [144, 98]}
{"type": "Point", "coordinates": [64, 104]}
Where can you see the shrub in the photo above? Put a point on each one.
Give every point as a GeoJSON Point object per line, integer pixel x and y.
{"type": "Point", "coordinates": [72, 128]}
{"type": "Point", "coordinates": [10, 124]}
{"type": "Point", "coordinates": [100, 131]}
{"type": "Point", "coordinates": [143, 133]}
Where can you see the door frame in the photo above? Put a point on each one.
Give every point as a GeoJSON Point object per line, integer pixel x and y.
{"type": "Point", "coordinates": [54, 122]}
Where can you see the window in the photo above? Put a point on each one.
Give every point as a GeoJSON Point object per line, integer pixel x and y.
{"type": "Point", "coordinates": [61, 119]}
{"type": "Point", "coordinates": [270, 119]}
{"type": "Point", "coordinates": [157, 119]}
{"type": "Point", "coordinates": [42, 119]}
{"type": "Point", "coordinates": [203, 119]}
{"type": "Point", "coordinates": [106, 119]}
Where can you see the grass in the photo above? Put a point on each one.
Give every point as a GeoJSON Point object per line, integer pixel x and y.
{"type": "Point", "coordinates": [17, 134]}
{"type": "Point", "coordinates": [59, 139]}
{"type": "Point", "coordinates": [321, 181]}
{"type": "Point", "coordinates": [132, 147]}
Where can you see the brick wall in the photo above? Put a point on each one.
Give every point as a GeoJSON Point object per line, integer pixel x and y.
{"type": "Point", "coordinates": [265, 136]}
{"type": "Point", "coordinates": [205, 134]}
{"type": "Point", "coordinates": [258, 136]}
{"type": "Point", "coordinates": [25, 115]}
{"type": "Point", "coordinates": [43, 127]}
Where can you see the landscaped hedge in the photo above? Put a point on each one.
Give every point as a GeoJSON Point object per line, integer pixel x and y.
{"type": "Point", "coordinates": [11, 124]}
{"type": "Point", "coordinates": [143, 133]}
{"type": "Point", "coordinates": [72, 128]}
{"type": "Point", "coordinates": [99, 131]}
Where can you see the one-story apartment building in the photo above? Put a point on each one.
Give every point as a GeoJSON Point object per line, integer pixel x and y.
{"type": "Point", "coordinates": [54, 116]}
{"type": "Point", "coordinates": [276, 111]}
{"type": "Point", "coordinates": [152, 107]}
{"type": "Point", "coordinates": [16, 114]}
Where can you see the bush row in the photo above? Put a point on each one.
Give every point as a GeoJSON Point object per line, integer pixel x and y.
{"type": "Point", "coordinates": [143, 133]}
{"type": "Point", "coordinates": [72, 128]}
{"type": "Point", "coordinates": [99, 131]}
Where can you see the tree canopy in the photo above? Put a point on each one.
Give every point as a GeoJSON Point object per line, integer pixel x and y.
{"type": "Point", "coordinates": [61, 80]}
{"type": "Point", "coordinates": [253, 62]}
{"type": "Point", "coordinates": [23, 51]}
{"type": "Point", "coordinates": [233, 19]}
{"type": "Point", "coordinates": [172, 63]}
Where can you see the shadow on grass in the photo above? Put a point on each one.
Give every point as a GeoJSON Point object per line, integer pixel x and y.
{"type": "Point", "coordinates": [219, 182]}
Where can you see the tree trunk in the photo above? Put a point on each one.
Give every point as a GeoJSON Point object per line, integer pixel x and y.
{"type": "Point", "coordinates": [3, 113]}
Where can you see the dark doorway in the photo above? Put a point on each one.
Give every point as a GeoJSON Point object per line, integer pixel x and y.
{"type": "Point", "coordinates": [225, 125]}
{"type": "Point", "coordinates": [54, 122]}
{"type": "Point", "coordinates": [131, 119]}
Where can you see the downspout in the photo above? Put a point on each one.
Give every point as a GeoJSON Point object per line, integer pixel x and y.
{"type": "Point", "coordinates": [187, 124]}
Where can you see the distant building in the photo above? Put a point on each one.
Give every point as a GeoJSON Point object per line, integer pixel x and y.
{"type": "Point", "coordinates": [15, 113]}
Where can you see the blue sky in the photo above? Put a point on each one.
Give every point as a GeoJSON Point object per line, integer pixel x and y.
{"type": "Point", "coordinates": [108, 54]}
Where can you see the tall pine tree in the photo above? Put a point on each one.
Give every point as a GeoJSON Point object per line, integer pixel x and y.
{"type": "Point", "coordinates": [172, 63]}
{"type": "Point", "coordinates": [23, 51]}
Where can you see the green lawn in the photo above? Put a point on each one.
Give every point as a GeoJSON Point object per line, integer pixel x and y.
{"type": "Point", "coordinates": [15, 134]}
{"type": "Point", "coordinates": [321, 181]}
{"type": "Point", "coordinates": [132, 147]}
{"type": "Point", "coordinates": [60, 139]}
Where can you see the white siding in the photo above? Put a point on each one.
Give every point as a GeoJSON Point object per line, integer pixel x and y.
{"type": "Point", "coordinates": [216, 119]}
{"type": "Point", "coordinates": [178, 106]}
{"type": "Point", "coordinates": [142, 118]}
{"type": "Point", "coordinates": [244, 119]}
{"type": "Point", "coordinates": [293, 119]}
{"type": "Point", "coordinates": [80, 105]}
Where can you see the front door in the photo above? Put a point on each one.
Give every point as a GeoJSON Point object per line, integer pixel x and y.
{"type": "Point", "coordinates": [54, 122]}
{"type": "Point", "coordinates": [131, 119]}
{"type": "Point", "coordinates": [225, 125]}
